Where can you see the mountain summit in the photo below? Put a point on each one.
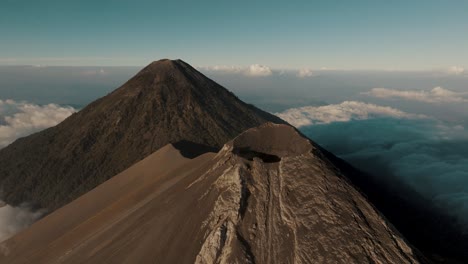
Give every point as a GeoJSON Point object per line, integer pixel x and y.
{"type": "Point", "coordinates": [268, 196]}
{"type": "Point", "coordinates": [166, 102]}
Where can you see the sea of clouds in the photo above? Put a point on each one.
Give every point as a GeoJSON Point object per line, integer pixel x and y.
{"type": "Point", "coordinates": [18, 119]}
{"type": "Point", "coordinates": [428, 154]}
{"type": "Point", "coordinates": [15, 219]}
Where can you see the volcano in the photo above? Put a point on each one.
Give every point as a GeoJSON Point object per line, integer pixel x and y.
{"type": "Point", "coordinates": [166, 102]}
{"type": "Point", "coordinates": [268, 196]}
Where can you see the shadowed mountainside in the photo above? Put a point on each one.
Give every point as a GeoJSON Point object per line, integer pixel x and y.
{"type": "Point", "coordinates": [166, 102]}
{"type": "Point", "coordinates": [440, 236]}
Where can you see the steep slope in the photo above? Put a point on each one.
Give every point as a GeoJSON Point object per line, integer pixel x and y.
{"type": "Point", "coordinates": [166, 102]}
{"type": "Point", "coordinates": [268, 196]}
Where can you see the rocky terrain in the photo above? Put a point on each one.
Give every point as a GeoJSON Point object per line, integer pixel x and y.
{"type": "Point", "coordinates": [268, 196]}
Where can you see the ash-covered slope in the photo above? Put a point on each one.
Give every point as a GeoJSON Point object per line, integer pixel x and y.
{"type": "Point", "coordinates": [269, 196]}
{"type": "Point", "coordinates": [166, 102]}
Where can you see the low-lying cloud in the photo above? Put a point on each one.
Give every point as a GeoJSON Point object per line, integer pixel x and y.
{"type": "Point", "coordinates": [254, 70]}
{"type": "Point", "coordinates": [456, 70]}
{"type": "Point", "coordinates": [426, 154]}
{"type": "Point", "coordinates": [306, 72]}
{"type": "Point", "coordinates": [99, 72]}
{"type": "Point", "coordinates": [436, 95]}
{"type": "Point", "coordinates": [18, 119]}
{"type": "Point", "coordinates": [343, 112]}
{"type": "Point", "coordinates": [225, 68]}
{"type": "Point", "coordinates": [259, 70]}
{"type": "Point", "coordinates": [15, 219]}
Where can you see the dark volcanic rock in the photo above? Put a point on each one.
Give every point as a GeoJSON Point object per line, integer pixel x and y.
{"type": "Point", "coordinates": [166, 102]}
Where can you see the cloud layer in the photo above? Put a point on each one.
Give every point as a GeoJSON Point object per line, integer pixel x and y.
{"type": "Point", "coordinates": [426, 154]}
{"type": "Point", "coordinates": [259, 70]}
{"type": "Point", "coordinates": [256, 70]}
{"type": "Point", "coordinates": [456, 70]}
{"type": "Point", "coordinates": [15, 219]}
{"type": "Point", "coordinates": [343, 112]}
{"type": "Point", "coordinates": [304, 73]}
{"type": "Point", "coordinates": [436, 95]}
{"type": "Point", "coordinates": [18, 119]}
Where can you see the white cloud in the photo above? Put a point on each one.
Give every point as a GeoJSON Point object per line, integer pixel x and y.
{"type": "Point", "coordinates": [39, 66]}
{"type": "Point", "coordinates": [15, 219]}
{"type": "Point", "coordinates": [259, 70]}
{"type": "Point", "coordinates": [100, 72]}
{"type": "Point", "coordinates": [304, 73]}
{"type": "Point", "coordinates": [252, 70]}
{"type": "Point", "coordinates": [436, 95]}
{"type": "Point", "coordinates": [224, 68]}
{"type": "Point", "coordinates": [456, 70]}
{"type": "Point", "coordinates": [343, 112]}
{"type": "Point", "coordinates": [18, 119]}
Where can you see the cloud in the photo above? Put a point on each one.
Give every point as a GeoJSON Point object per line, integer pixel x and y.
{"type": "Point", "coordinates": [259, 70]}
{"type": "Point", "coordinates": [343, 112]}
{"type": "Point", "coordinates": [252, 70]}
{"type": "Point", "coordinates": [18, 119]}
{"type": "Point", "coordinates": [426, 154]}
{"type": "Point", "coordinates": [436, 95]}
{"type": "Point", "coordinates": [15, 219]}
{"type": "Point", "coordinates": [38, 66]}
{"type": "Point", "coordinates": [100, 72]}
{"type": "Point", "coordinates": [304, 73]}
{"type": "Point", "coordinates": [456, 70]}
{"type": "Point", "coordinates": [224, 68]}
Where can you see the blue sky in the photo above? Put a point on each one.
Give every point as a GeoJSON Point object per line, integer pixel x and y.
{"type": "Point", "coordinates": [403, 35]}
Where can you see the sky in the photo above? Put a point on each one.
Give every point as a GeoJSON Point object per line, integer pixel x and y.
{"type": "Point", "coordinates": [362, 34]}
